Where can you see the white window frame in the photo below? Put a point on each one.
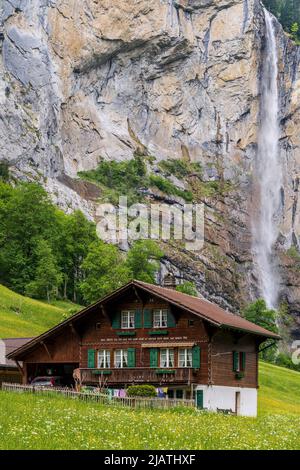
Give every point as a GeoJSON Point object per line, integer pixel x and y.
{"type": "Point", "coordinates": [166, 357]}
{"type": "Point", "coordinates": [160, 318]}
{"type": "Point", "coordinates": [121, 358]}
{"type": "Point", "coordinates": [185, 356]}
{"type": "Point", "coordinates": [127, 319]}
{"type": "Point", "coordinates": [106, 358]}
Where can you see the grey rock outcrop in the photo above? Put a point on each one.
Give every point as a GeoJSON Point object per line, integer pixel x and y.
{"type": "Point", "coordinates": [169, 78]}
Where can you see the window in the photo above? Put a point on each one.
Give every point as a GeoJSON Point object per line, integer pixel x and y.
{"type": "Point", "coordinates": [239, 361]}
{"type": "Point", "coordinates": [185, 358]}
{"type": "Point", "coordinates": [103, 359]}
{"type": "Point", "coordinates": [127, 319]}
{"type": "Point", "coordinates": [121, 358]}
{"type": "Point", "coordinates": [179, 394]}
{"type": "Point", "coordinates": [167, 358]}
{"type": "Point", "coordinates": [242, 361]}
{"type": "Point", "coordinates": [160, 318]}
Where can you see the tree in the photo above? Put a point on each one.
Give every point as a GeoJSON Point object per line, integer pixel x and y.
{"type": "Point", "coordinates": [4, 171]}
{"type": "Point", "coordinates": [26, 216]}
{"type": "Point", "coordinates": [143, 260]}
{"type": "Point", "coordinates": [188, 288]}
{"type": "Point", "coordinates": [288, 13]}
{"type": "Point", "coordinates": [295, 30]}
{"type": "Point", "coordinates": [76, 234]}
{"type": "Point", "coordinates": [258, 313]}
{"type": "Point", "coordinates": [47, 275]}
{"type": "Point", "coordinates": [284, 360]}
{"type": "Point", "coordinates": [105, 270]}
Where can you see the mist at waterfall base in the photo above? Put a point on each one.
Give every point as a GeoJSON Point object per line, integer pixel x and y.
{"type": "Point", "coordinates": [268, 173]}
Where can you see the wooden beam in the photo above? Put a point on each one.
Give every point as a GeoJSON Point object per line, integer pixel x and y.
{"type": "Point", "coordinates": [103, 309]}
{"type": "Point", "coordinates": [211, 332]}
{"type": "Point", "coordinates": [19, 367]}
{"type": "Point", "coordinates": [137, 295]}
{"type": "Point", "coordinates": [74, 331]}
{"type": "Point", "coordinates": [46, 349]}
{"type": "Point", "coordinates": [267, 347]}
{"type": "Point", "coordinates": [209, 363]}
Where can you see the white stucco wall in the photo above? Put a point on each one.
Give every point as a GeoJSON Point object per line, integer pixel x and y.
{"type": "Point", "coordinates": [224, 398]}
{"type": "Point", "coordinates": [2, 352]}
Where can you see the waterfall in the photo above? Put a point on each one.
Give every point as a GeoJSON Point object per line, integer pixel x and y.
{"type": "Point", "coordinates": [268, 173]}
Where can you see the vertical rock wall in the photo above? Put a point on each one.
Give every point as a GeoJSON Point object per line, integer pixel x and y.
{"type": "Point", "coordinates": [82, 80]}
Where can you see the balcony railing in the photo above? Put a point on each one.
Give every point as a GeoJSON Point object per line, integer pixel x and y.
{"type": "Point", "coordinates": [138, 375]}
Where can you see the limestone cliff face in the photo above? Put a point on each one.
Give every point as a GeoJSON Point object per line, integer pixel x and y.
{"type": "Point", "coordinates": [80, 80]}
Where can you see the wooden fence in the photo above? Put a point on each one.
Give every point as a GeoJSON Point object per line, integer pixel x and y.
{"type": "Point", "coordinates": [102, 398]}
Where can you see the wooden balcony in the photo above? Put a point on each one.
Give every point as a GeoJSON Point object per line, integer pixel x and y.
{"type": "Point", "coordinates": [138, 376]}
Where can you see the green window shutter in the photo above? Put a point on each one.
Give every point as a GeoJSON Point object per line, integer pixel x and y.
{"type": "Point", "coordinates": [131, 357]}
{"type": "Point", "coordinates": [235, 361]}
{"type": "Point", "coordinates": [243, 361]}
{"type": "Point", "coordinates": [138, 319]}
{"type": "Point", "coordinates": [153, 357]}
{"type": "Point", "coordinates": [147, 318]}
{"type": "Point", "coordinates": [171, 320]}
{"type": "Point", "coordinates": [91, 358]}
{"type": "Point", "coordinates": [116, 320]}
{"type": "Point", "coordinates": [196, 357]}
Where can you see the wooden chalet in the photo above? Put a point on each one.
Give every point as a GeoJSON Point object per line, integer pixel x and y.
{"type": "Point", "coordinates": [145, 334]}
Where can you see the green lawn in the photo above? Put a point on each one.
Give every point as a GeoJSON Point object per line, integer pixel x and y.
{"type": "Point", "coordinates": [35, 422]}
{"type": "Point", "coordinates": [24, 317]}
{"type": "Point", "coordinates": [279, 390]}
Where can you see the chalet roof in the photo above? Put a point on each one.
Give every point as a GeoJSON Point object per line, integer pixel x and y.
{"type": "Point", "coordinates": [7, 346]}
{"type": "Point", "coordinates": [208, 310]}
{"type": "Point", "coordinates": [202, 308]}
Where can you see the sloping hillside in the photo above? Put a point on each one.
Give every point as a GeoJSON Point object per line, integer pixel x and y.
{"type": "Point", "coordinates": [24, 317]}
{"type": "Point", "coordinates": [279, 391]}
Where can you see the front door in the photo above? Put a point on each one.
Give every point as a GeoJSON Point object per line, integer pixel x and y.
{"type": "Point", "coordinates": [199, 399]}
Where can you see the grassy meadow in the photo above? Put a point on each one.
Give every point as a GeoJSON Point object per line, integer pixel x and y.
{"type": "Point", "coordinates": [279, 391]}
{"type": "Point", "coordinates": [24, 317]}
{"type": "Point", "coordinates": [37, 422]}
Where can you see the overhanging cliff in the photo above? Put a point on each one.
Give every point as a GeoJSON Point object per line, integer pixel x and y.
{"type": "Point", "coordinates": [80, 81]}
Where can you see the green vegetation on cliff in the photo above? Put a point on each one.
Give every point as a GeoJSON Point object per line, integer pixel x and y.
{"type": "Point", "coordinates": [134, 179]}
{"type": "Point", "coordinates": [119, 179]}
{"type": "Point", "coordinates": [169, 188]}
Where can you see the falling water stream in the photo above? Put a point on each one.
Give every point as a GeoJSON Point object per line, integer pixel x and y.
{"type": "Point", "coordinates": [268, 173]}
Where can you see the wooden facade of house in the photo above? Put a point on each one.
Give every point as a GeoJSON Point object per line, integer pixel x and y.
{"type": "Point", "coordinates": [145, 334]}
